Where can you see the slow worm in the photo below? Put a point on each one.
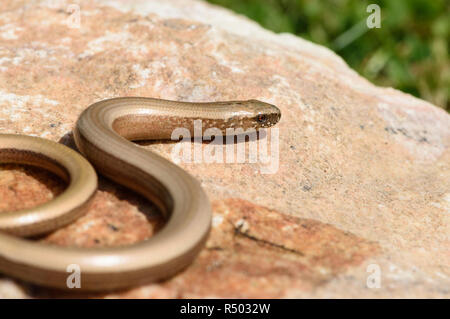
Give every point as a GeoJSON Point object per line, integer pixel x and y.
{"type": "Point", "coordinates": [102, 134]}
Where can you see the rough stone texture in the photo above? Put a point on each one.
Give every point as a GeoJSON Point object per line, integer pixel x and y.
{"type": "Point", "coordinates": [364, 172]}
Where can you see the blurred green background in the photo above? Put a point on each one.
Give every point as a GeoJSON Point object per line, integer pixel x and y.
{"type": "Point", "coordinates": [409, 52]}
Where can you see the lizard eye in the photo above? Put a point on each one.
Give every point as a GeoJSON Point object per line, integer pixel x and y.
{"type": "Point", "coordinates": [261, 118]}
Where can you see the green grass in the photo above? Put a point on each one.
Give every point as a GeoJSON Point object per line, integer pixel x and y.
{"type": "Point", "coordinates": [409, 52]}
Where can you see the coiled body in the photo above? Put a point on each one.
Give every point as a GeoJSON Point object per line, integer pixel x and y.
{"type": "Point", "coordinates": [101, 134]}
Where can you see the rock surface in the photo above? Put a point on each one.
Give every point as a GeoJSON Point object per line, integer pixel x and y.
{"type": "Point", "coordinates": [363, 179]}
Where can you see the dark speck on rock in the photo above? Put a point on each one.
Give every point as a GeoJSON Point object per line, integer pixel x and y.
{"type": "Point", "coordinates": [390, 130]}
{"type": "Point", "coordinates": [113, 228]}
{"type": "Point", "coordinates": [306, 188]}
{"type": "Point", "coordinates": [403, 131]}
